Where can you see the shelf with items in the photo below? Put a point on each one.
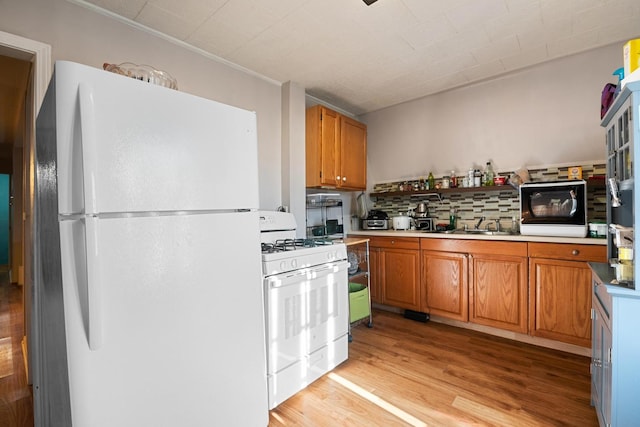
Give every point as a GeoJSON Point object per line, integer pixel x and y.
{"type": "Point", "coordinates": [443, 191]}
{"type": "Point", "coordinates": [324, 216]}
{"type": "Point", "coordinates": [359, 280]}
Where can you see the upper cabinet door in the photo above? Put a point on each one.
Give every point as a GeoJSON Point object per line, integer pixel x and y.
{"type": "Point", "coordinates": [353, 154]}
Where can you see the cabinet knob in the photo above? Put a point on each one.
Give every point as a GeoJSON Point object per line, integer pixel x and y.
{"type": "Point", "coordinates": [338, 178]}
{"type": "Point", "coordinates": [575, 252]}
{"type": "Point", "coordinates": [344, 178]}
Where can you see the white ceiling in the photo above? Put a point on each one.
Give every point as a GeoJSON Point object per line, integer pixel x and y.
{"type": "Point", "coordinates": [364, 58]}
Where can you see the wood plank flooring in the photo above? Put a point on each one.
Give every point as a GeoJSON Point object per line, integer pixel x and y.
{"type": "Point", "coordinates": [399, 373]}
{"type": "Point", "coordinates": [406, 373]}
{"type": "Point", "coordinates": [16, 405]}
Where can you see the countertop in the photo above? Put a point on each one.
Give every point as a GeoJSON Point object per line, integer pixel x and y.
{"type": "Point", "coordinates": [350, 241]}
{"type": "Point", "coordinates": [607, 276]}
{"type": "Point", "coordinates": [504, 237]}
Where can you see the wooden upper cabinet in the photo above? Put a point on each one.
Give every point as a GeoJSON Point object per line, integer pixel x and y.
{"type": "Point", "coordinates": [353, 154]}
{"type": "Point", "coordinates": [336, 150]}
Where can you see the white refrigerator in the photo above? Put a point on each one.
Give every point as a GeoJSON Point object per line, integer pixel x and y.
{"type": "Point", "coordinates": [147, 294]}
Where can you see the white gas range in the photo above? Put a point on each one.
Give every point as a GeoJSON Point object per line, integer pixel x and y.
{"type": "Point", "coordinates": [306, 306]}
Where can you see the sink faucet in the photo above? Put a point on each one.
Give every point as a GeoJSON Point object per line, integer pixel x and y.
{"type": "Point", "coordinates": [496, 222]}
{"type": "Point", "coordinates": [479, 222]}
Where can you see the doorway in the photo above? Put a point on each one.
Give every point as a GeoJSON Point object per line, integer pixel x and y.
{"type": "Point", "coordinates": [16, 160]}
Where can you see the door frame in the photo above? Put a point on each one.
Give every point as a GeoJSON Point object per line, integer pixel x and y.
{"type": "Point", "coordinates": [39, 54]}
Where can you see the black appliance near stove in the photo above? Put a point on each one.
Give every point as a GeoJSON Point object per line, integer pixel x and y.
{"type": "Point", "coordinates": [424, 223]}
{"type": "Point", "coordinates": [376, 220]}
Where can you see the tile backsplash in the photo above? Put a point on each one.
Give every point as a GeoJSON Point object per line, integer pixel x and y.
{"type": "Point", "coordinates": [493, 205]}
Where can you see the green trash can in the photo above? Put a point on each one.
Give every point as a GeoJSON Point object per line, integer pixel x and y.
{"type": "Point", "coordinates": [358, 302]}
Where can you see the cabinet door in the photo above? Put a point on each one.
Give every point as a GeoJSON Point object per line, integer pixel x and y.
{"type": "Point", "coordinates": [374, 265]}
{"type": "Point", "coordinates": [446, 284]}
{"type": "Point", "coordinates": [498, 291]}
{"type": "Point", "coordinates": [400, 278]}
{"type": "Point", "coordinates": [322, 150]}
{"type": "Point", "coordinates": [353, 154]}
{"type": "Point", "coordinates": [600, 366]}
{"type": "Point", "coordinates": [560, 295]}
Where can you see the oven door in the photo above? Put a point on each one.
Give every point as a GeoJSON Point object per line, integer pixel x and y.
{"type": "Point", "coordinates": [305, 310]}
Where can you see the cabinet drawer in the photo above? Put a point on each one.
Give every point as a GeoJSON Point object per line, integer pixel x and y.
{"type": "Point", "coordinates": [567, 251]}
{"type": "Point", "coordinates": [395, 242]}
{"type": "Point", "coordinates": [475, 246]}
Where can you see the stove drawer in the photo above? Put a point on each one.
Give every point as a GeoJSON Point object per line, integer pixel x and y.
{"type": "Point", "coordinates": [287, 382]}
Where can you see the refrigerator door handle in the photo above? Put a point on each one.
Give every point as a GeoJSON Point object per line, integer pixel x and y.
{"type": "Point", "coordinates": [88, 136]}
{"type": "Point", "coordinates": [94, 286]}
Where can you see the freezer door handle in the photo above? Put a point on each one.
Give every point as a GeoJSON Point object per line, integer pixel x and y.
{"type": "Point", "coordinates": [94, 286]}
{"type": "Point", "coordinates": [88, 136]}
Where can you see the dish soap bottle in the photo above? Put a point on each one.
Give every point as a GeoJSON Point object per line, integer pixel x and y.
{"type": "Point", "coordinates": [452, 219]}
{"type": "Point", "coordinates": [488, 174]}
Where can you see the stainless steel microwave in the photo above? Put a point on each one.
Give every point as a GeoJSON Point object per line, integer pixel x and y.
{"type": "Point", "coordinates": [554, 208]}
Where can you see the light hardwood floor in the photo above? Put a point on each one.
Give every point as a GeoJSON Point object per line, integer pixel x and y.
{"type": "Point", "coordinates": [399, 373]}
{"type": "Point", "coordinates": [406, 373]}
{"type": "Point", "coordinates": [16, 407]}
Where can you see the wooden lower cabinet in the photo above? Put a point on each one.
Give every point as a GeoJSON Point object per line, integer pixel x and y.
{"type": "Point", "coordinates": [540, 289]}
{"type": "Point", "coordinates": [396, 271]}
{"type": "Point", "coordinates": [477, 281]}
{"type": "Point", "coordinates": [498, 291]}
{"type": "Point", "coordinates": [560, 291]}
{"type": "Point", "coordinates": [445, 284]}
{"type": "Point", "coordinates": [374, 271]}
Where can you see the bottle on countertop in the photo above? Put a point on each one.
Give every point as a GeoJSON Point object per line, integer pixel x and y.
{"type": "Point", "coordinates": [453, 180]}
{"type": "Point", "coordinates": [470, 175]}
{"type": "Point", "coordinates": [432, 181]}
{"type": "Point", "coordinates": [452, 219]}
{"type": "Point", "coordinates": [514, 225]}
{"type": "Point", "coordinates": [488, 174]}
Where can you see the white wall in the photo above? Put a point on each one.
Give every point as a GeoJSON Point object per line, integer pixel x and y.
{"type": "Point", "coordinates": [80, 35]}
{"type": "Point", "coordinates": [548, 114]}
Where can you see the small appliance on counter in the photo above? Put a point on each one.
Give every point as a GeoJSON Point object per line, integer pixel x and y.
{"type": "Point", "coordinates": [554, 208]}
{"type": "Point", "coordinates": [376, 220]}
{"type": "Point", "coordinates": [401, 222]}
{"type": "Point", "coordinates": [424, 223]}
{"type": "Point", "coordinates": [421, 218]}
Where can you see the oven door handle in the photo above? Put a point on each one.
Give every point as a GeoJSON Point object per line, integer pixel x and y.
{"type": "Point", "coordinates": [305, 274]}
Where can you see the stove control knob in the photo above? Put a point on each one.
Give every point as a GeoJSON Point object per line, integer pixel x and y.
{"type": "Point", "coordinates": [283, 265]}
{"type": "Point", "coordinates": [294, 263]}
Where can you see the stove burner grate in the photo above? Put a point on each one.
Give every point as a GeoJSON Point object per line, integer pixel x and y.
{"type": "Point", "coordinates": [283, 245]}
